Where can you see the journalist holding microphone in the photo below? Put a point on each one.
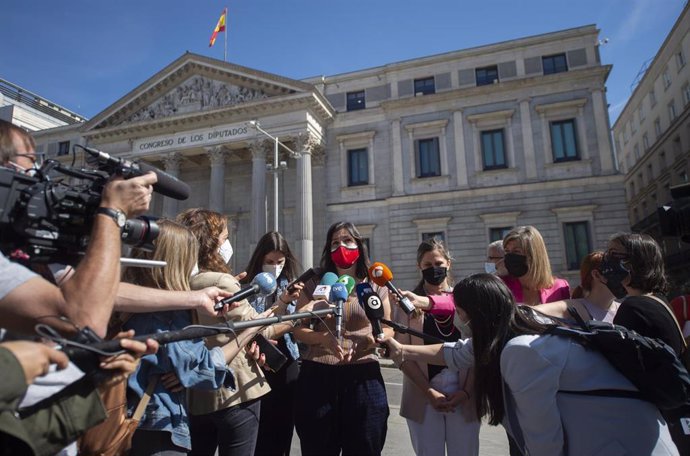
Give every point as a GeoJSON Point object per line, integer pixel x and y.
{"type": "Point", "coordinates": [341, 397]}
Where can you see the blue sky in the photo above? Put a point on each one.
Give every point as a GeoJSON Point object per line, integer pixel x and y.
{"type": "Point", "coordinates": [86, 54]}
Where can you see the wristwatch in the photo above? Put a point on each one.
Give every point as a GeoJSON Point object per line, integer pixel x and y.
{"type": "Point", "coordinates": [115, 214]}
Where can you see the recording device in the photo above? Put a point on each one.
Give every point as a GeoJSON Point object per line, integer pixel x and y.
{"type": "Point", "coordinates": [338, 297]}
{"type": "Point", "coordinates": [49, 215]}
{"type": "Point", "coordinates": [306, 275]}
{"type": "Point", "coordinates": [263, 284]}
{"type": "Point", "coordinates": [348, 281]}
{"type": "Point", "coordinates": [275, 359]}
{"type": "Point", "coordinates": [85, 352]}
{"type": "Point", "coordinates": [674, 219]}
{"type": "Point", "coordinates": [323, 289]}
{"type": "Point", "coordinates": [381, 275]}
{"type": "Point", "coordinates": [373, 307]}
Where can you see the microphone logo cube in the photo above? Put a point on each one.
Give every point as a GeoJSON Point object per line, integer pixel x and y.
{"type": "Point", "coordinates": [377, 272]}
{"type": "Point", "coordinates": [374, 302]}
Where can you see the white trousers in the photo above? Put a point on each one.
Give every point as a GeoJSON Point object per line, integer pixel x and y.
{"type": "Point", "coordinates": [441, 432]}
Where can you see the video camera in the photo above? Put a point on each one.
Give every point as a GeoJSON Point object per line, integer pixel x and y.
{"type": "Point", "coordinates": [674, 220]}
{"type": "Point", "coordinates": [48, 216]}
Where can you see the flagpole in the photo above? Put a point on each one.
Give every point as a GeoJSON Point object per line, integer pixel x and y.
{"type": "Point", "coordinates": [225, 52]}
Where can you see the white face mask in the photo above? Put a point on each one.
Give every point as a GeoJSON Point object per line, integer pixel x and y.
{"type": "Point", "coordinates": [490, 268]}
{"type": "Point", "coordinates": [274, 269]}
{"type": "Point", "coordinates": [225, 251]}
{"type": "Point", "coordinates": [195, 270]}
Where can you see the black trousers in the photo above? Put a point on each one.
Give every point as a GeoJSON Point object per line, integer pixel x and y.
{"type": "Point", "coordinates": [232, 430]}
{"type": "Point", "coordinates": [277, 421]}
{"type": "Point", "coordinates": [341, 408]}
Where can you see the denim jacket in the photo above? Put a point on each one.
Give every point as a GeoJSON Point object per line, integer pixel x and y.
{"type": "Point", "coordinates": [194, 365]}
{"type": "Point", "coordinates": [261, 303]}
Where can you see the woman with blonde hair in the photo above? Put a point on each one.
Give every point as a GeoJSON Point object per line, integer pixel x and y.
{"type": "Point", "coordinates": [529, 269]}
{"type": "Point", "coordinates": [178, 365]}
{"type": "Point", "coordinates": [436, 402]}
{"type": "Point", "coordinates": [226, 419]}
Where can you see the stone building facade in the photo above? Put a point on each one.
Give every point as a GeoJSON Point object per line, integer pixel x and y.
{"type": "Point", "coordinates": [463, 146]}
{"type": "Point", "coordinates": [652, 137]}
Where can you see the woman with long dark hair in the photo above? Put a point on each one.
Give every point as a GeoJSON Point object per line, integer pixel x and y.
{"type": "Point", "coordinates": [276, 425]}
{"type": "Point", "coordinates": [525, 376]}
{"type": "Point", "coordinates": [341, 398]}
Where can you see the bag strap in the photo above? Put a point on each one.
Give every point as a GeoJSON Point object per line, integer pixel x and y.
{"type": "Point", "coordinates": [673, 317]}
{"type": "Point", "coordinates": [685, 307]}
{"type": "Point", "coordinates": [144, 401]}
{"type": "Point", "coordinates": [578, 318]}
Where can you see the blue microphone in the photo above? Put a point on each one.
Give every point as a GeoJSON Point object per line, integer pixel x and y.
{"type": "Point", "coordinates": [263, 284]}
{"type": "Point", "coordinates": [338, 297]}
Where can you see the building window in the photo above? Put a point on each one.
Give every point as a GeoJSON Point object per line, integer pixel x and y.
{"type": "Point", "coordinates": [438, 235]}
{"type": "Point", "coordinates": [645, 142]}
{"type": "Point", "coordinates": [662, 160]}
{"type": "Point", "coordinates": [564, 140]}
{"type": "Point", "coordinates": [686, 94]}
{"type": "Point", "coordinates": [493, 149]}
{"type": "Point", "coordinates": [63, 148]}
{"type": "Point", "coordinates": [672, 111]}
{"type": "Point", "coordinates": [577, 243]}
{"type": "Point", "coordinates": [680, 59]}
{"type": "Point", "coordinates": [666, 78]}
{"type": "Point", "coordinates": [554, 64]}
{"type": "Point", "coordinates": [636, 151]}
{"type": "Point", "coordinates": [683, 176]}
{"type": "Point", "coordinates": [632, 189]}
{"type": "Point", "coordinates": [355, 100]}
{"type": "Point", "coordinates": [641, 113]}
{"type": "Point", "coordinates": [358, 167]}
{"type": "Point", "coordinates": [424, 86]}
{"type": "Point", "coordinates": [497, 234]}
{"type": "Point", "coordinates": [428, 158]}
{"type": "Point", "coordinates": [652, 98]}
{"type": "Point", "coordinates": [657, 128]}
{"type": "Point", "coordinates": [487, 75]}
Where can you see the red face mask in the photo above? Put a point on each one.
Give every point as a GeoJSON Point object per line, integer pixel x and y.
{"type": "Point", "coordinates": [344, 257]}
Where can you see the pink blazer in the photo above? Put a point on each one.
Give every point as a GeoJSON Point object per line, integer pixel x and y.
{"type": "Point", "coordinates": [559, 291]}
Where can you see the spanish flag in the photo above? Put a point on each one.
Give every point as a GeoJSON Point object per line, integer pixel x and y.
{"type": "Point", "coordinates": [220, 27]}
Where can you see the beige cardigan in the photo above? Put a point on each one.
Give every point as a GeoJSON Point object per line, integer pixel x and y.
{"type": "Point", "coordinates": [249, 377]}
{"type": "Point", "coordinates": [413, 402]}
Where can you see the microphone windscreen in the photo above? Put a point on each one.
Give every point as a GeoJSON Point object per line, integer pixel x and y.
{"type": "Point", "coordinates": [329, 279]}
{"type": "Point", "coordinates": [380, 274]}
{"type": "Point", "coordinates": [348, 281]}
{"type": "Point", "coordinates": [266, 282]}
{"type": "Point", "coordinates": [338, 292]}
{"type": "Point", "coordinates": [167, 184]}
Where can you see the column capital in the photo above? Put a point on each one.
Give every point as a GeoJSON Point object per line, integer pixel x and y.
{"type": "Point", "coordinates": [259, 148]}
{"type": "Point", "coordinates": [172, 161]}
{"type": "Point", "coordinates": [216, 155]}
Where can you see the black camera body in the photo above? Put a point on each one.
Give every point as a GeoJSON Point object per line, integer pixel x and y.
{"type": "Point", "coordinates": [48, 217]}
{"type": "Point", "coordinates": [674, 220]}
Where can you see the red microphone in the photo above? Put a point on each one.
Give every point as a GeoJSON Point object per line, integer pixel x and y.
{"type": "Point", "coordinates": [381, 275]}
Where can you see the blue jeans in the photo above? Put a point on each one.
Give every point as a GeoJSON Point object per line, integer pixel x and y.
{"type": "Point", "coordinates": [232, 430]}
{"type": "Point", "coordinates": [341, 408]}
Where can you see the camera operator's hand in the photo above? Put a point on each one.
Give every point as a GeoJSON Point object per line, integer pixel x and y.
{"type": "Point", "coordinates": [124, 364]}
{"type": "Point", "coordinates": [35, 358]}
{"type": "Point", "coordinates": [131, 196]}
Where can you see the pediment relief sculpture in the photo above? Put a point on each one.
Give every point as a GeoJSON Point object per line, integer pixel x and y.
{"type": "Point", "coordinates": [197, 94]}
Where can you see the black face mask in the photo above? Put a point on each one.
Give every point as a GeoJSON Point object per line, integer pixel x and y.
{"type": "Point", "coordinates": [516, 264]}
{"type": "Point", "coordinates": [434, 275]}
{"type": "Point", "coordinates": [614, 273]}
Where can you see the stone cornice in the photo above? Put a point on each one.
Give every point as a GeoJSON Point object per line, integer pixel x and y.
{"type": "Point", "coordinates": [493, 115]}
{"type": "Point", "coordinates": [433, 197]}
{"type": "Point", "coordinates": [432, 125]}
{"type": "Point", "coordinates": [570, 104]}
{"type": "Point", "coordinates": [518, 86]}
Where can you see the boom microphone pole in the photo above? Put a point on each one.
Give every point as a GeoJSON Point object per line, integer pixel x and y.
{"type": "Point", "coordinates": [402, 329]}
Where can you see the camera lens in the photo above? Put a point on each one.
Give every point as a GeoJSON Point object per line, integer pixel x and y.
{"type": "Point", "coordinates": [140, 232]}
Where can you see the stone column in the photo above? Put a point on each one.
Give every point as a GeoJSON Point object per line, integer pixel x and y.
{"type": "Point", "coordinates": [172, 166]}
{"type": "Point", "coordinates": [216, 192]}
{"type": "Point", "coordinates": [305, 145]}
{"type": "Point", "coordinates": [258, 206]}
{"type": "Point", "coordinates": [460, 156]}
{"type": "Point", "coordinates": [602, 127]}
{"type": "Point", "coordinates": [527, 140]}
{"type": "Point", "coordinates": [396, 152]}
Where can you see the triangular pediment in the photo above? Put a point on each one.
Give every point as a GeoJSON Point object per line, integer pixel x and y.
{"type": "Point", "coordinates": [194, 84]}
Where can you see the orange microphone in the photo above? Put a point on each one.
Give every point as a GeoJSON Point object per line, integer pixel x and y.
{"type": "Point", "coordinates": [381, 275]}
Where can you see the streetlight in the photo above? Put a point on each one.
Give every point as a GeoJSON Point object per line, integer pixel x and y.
{"type": "Point", "coordinates": [276, 166]}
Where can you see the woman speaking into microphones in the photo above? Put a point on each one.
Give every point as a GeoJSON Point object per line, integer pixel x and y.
{"type": "Point", "coordinates": [341, 399]}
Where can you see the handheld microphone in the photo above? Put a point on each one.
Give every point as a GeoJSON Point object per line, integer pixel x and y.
{"type": "Point", "coordinates": [373, 307]}
{"type": "Point", "coordinates": [263, 284]}
{"type": "Point", "coordinates": [167, 185]}
{"type": "Point", "coordinates": [323, 290]}
{"type": "Point", "coordinates": [338, 297]}
{"type": "Point", "coordinates": [348, 281]}
{"type": "Point", "coordinates": [381, 275]}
